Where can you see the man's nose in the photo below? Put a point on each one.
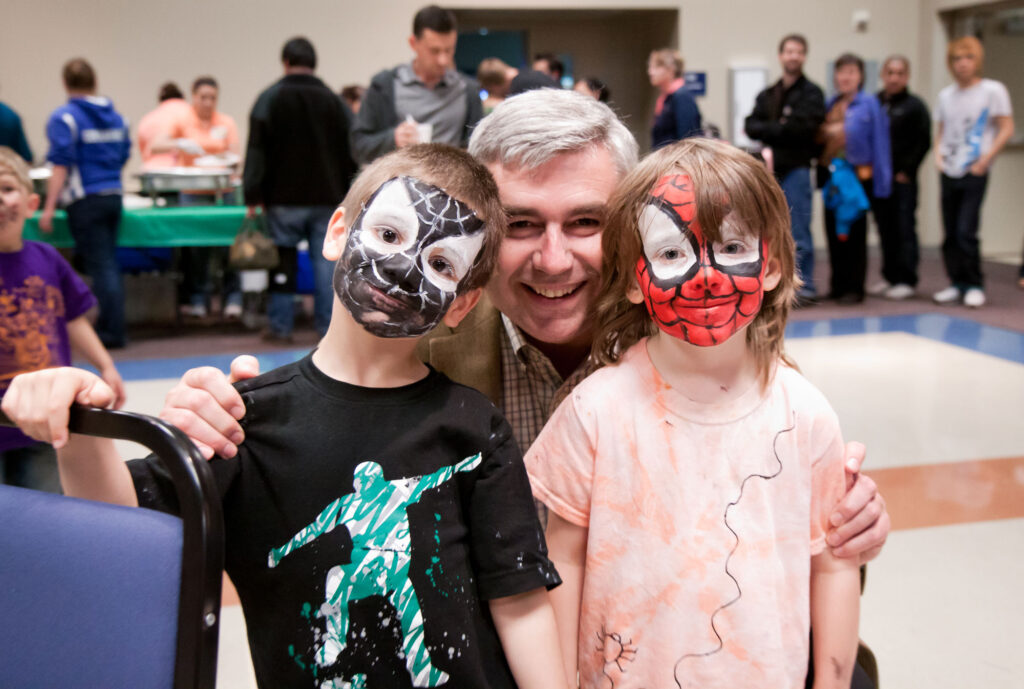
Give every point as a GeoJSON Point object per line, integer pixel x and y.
{"type": "Point", "coordinates": [554, 255]}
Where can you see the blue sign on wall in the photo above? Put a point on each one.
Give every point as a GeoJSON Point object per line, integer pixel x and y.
{"type": "Point", "coordinates": [696, 83]}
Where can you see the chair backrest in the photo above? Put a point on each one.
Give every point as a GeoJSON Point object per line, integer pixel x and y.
{"type": "Point", "coordinates": [97, 595]}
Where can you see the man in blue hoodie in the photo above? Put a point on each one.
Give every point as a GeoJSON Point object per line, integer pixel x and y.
{"type": "Point", "coordinates": [89, 144]}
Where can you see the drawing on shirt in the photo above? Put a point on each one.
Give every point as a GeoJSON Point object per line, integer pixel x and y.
{"type": "Point", "coordinates": [405, 256]}
{"type": "Point", "coordinates": [614, 651]}
{"type": "Point", "coordinates": [720, 643]}
{"type": "Point", "coordinates": [28, 327]}
{"type": "Point", "coordinates": [375, 516]}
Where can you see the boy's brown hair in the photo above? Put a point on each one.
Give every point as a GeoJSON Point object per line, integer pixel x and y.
{"type": "Point", "coordinates": [725, 180]}
{"type": "Point", "coordinates": [667, 57]}
{"type": "Point", "coordinates": [459, 174]}
{"type": "Point", "coordinates": [966, 44]}
{"type": "Point", "coordinates": [13, 164]}
{"type": "Point", "coordinates": [79, 76]}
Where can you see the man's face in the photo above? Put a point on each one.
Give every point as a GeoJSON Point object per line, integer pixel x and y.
{"type": "Point", "coordinates": [435, 53]}
{"type": "Point", "coordinates": [204, 101]}
{"type": "Point", "coordinates": [895, 76]}
{"type": "Point", "coordinates": [16, 204]}
{"type": "Point", "coordinates": [699, 291]}
{"type": "Point", "coordinates": [847, 79]}
{"type": "Point", "coordinates": [965, 65]}
{"type": "Point", "coordinates": [549, 266]}
{"type": "Point", "coordinates": [405, 257]}
{"type": "Point", "coordinates": [792, 57]}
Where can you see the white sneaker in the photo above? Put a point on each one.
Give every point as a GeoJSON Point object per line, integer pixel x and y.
{"type": "Point", "coordinates": [193, 310]}
{"type": "Point", "coordinates": [899, 292]}
{"type": "Point", "coordinates": [879, 288]}
{"type": "Point", "coordinates": [947, 296]}
{"type": "Point", "coordinates": [232, 311]}
{"type": "Point", "coordinates": [974, 297]}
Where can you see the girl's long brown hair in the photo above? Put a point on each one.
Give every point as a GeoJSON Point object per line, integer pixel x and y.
{"type": "Point", "coordinates": [725, 180]}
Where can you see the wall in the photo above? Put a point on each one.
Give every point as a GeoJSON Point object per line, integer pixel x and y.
{"type": "Point", "coordinates": [137, 45]}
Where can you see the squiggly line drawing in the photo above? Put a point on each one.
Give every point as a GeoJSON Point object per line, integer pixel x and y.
{"type": "Point", "coordinates": [626, 652]}
{"type": "Point", "coordinates": [736, 545]}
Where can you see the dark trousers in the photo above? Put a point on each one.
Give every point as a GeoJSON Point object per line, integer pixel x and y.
{"type": "Point", "coordinates": [94, 222]}
{"type": "Point", "coordinates": [849, 256]}
{"type": "Point", "coordinates": [961, 217]}
{"type": "Point", "coordinates": [33, 466]}
{"type": "Point", "coordinates": [897, 228]}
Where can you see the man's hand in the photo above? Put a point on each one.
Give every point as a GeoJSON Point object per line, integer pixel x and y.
{"type": "Point", "coordinates": [980, 166]}
{"type": "Point", "coordinates": [406, 134]}
{"type": "Point", "coordinates": [860, 523]}
{"type": "Point", "coordinates": [46, 221]}
{"type": "Point", "coordinates": [901, 177]}
{"type": "Point", "coordinates": [207, 408]}
{"type": "Point", "coordinates": [39, 401]}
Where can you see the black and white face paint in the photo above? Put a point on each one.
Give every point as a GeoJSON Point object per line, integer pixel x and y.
{"type": "Point", "coordinates": [405, 256]}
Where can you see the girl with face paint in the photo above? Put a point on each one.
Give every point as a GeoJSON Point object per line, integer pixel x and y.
{"type": "Point", "coordinates": [691, 479]}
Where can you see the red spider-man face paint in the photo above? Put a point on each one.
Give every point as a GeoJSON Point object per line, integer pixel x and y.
{"type": "Point", "coordinates": [695, 290]}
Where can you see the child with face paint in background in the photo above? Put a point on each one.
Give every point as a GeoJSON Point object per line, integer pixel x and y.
{"type": "Point", "coordinates": [690, 480]}
{"type": "Point", "coordinates": [380, 525]}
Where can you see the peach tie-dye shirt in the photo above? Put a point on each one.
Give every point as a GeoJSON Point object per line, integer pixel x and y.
{"type": "Point", "coordinates": [702, 522]}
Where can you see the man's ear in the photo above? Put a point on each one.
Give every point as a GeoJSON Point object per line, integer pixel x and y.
{"type": "Point", "coordinates": [461, 307]}
{"type": "Point", "coordinates": [772, 275]}
{"type": "Point", "coordinates": [334, 241]}
{"type": "Point", "coordinates": [412, 42]}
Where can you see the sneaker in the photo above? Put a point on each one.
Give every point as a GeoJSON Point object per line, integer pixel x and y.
{"type": "Point", "coordinates": [899, 292]}
{"type": "Point", "coordinates": [233, 311]}
{"type": "Point", "coordinates": [879, 288]}
{"type": "Point", "coordinates": [193, 310]}
{"type": "Point", "coordinates": [974, 297]}
{"type": "Point", "coordinates": [947, 296]}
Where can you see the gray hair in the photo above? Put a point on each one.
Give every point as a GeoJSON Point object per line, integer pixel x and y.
{"type": "Point", "coordinates": [528, 130]}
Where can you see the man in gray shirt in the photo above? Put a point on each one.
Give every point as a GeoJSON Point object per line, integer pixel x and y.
{"type": "Point", "coordinates": [427, 91]}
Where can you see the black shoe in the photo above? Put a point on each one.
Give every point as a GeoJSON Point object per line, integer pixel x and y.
{"type": "Point", "coordinates": [272, 337]}
{"type": "Point", "coordinates": [850, 298]}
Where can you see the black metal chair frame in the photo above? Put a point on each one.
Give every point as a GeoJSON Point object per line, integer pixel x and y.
{"type": "Point", "coordinates": [202, 557]}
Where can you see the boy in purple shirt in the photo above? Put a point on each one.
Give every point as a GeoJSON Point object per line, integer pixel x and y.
{"type": "Point", "coordinates": [42, 318]}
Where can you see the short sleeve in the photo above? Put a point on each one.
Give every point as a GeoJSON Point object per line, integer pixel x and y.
{"type": "Point", "coordinates": [508, 549]}
{"type": "Point", "coordinates": [155, 489]}
{"type": "Point", "coordinates": [78, 298]}
{"type": "Point", "coordinates": [62, 140]}
{"type": "Point", "coordinates": [828, 477]}
{"type": "Point", "coordinates": [1001, 106]}
{"type": "Point", "coordinates": [560, 463]}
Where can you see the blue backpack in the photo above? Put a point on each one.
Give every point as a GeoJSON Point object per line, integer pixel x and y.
{"type": "Point", "coordinates": [844, 196]}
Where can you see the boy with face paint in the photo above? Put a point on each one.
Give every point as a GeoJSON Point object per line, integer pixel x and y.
{"type": "Point", "coordinates": [690, 480]}
{"type": "Point", "coordinates": [379, 523]}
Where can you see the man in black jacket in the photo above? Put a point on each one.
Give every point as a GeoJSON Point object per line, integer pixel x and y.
{"type": "Point", "coordinates": [420, 101]}
{"type": "Point", "coordinates": [297, 168]}
{"type": "Point", "coordinates": [786, 118]}
{"type": "Point", "coordinates": [910, 133]}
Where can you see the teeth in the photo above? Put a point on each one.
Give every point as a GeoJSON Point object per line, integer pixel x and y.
{"type": "Point", "coordinates": [553, 293]}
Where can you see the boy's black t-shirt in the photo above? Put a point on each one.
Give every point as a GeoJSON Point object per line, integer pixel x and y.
{"type": "Point", "coordinates": [367, 527]}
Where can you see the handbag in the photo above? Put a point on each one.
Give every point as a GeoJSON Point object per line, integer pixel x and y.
{"type": "Point", "coordinates": [252, 248]}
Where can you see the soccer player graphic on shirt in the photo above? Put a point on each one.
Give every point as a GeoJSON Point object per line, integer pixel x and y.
{"type": "Point", "coordinates": [375, 517]}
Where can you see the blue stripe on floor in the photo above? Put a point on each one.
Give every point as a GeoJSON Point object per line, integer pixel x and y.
{"type": "Point", "coordinates": [960, 332]}
{"type": "Point", "coordinates": [148, 369]}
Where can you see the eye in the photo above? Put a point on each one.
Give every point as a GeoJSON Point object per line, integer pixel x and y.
{"type": "Point", "coordinates": [442, 266]}
{"type": "Point", "coordinates": [671, 254]}
{"type": "Point", "coordinates": [733, 247]}
{"type": "Point", "coordinates": [388, 235]}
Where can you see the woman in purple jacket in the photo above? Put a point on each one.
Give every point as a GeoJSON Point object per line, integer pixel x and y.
{"type": "Point", "coordinates": [856, 128]}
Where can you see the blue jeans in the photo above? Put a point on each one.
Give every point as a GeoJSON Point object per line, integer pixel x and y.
{"type": "Point", "coordinates": [288, 225]}
{"type": "Point", "coordinates": [196, 284]}
{"type": "Point", "coordinates": [796, 185]}
{"type": "Point", "coordinates": [94, 222]}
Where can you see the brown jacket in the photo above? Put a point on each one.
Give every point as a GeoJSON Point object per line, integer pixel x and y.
{"type": "Point", "coordinates": [471, 353]}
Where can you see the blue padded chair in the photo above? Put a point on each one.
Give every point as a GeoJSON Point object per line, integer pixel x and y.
{"type": "Point", "coordinates": [101, 596]}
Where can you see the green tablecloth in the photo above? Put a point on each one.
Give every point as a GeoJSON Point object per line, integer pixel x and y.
{"type": "Point", "coordinates": [189, 226]}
